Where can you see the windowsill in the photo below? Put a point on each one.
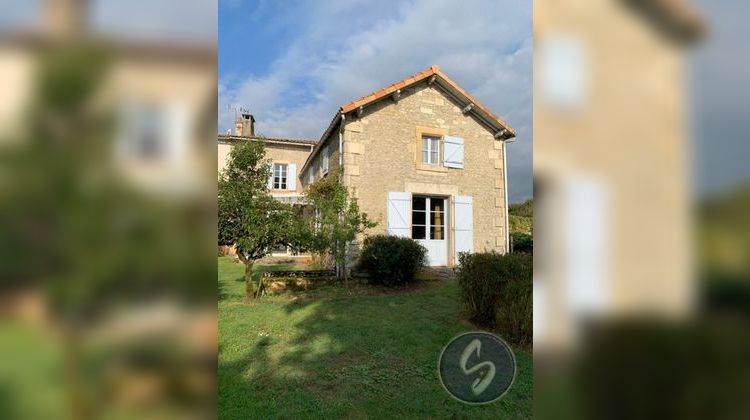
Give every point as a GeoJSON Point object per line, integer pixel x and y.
{"type": "Point", "coordinates": [431, 168]}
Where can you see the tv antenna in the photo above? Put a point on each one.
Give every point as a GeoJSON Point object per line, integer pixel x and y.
{"type": "Point", "coordinates": [238, 110]}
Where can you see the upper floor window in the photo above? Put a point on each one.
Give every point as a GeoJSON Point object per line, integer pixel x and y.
{"type": "Point", "coordinates": [431, 150]}
{"type": "Point", "coordinates": [311, 175]}
{"type": "Point", "coordinates": [151, 131]}
{"type": "Point", "coordinates": [325, 160]}
{"type": "Point", "coordinates": [280, 171]}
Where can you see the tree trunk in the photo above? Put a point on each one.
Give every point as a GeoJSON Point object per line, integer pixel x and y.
{"type": "Point", "coordinates": [248, 275]}
{"type": "Point", "coordinates": [74, 384]}
{"type": "Point", "coordinates": [249, 294]}
{"type": "Point", "coordinates": [343, 270]}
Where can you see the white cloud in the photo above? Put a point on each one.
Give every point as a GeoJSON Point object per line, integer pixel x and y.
{"type": "Point", "coordinates": [176, 20]}
{"type": "Point", "coordinates": [349, 49]}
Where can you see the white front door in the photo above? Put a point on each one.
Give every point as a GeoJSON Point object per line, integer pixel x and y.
{"type": "Point", "coordinates": [428, 227]}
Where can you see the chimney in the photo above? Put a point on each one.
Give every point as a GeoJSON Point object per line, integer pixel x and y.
{"type": "Point", "coordinates": [238, 127]}
{"type": "Point", "coordinates": [65, 18]}
{"type": "Point", "coordinates": [248, 125]}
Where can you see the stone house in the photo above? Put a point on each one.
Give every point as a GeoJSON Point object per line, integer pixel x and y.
{"type": "Point", "coordinates": [422, 157]}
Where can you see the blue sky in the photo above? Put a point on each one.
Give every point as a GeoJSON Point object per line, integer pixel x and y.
{"type": "Point", "coordinates": [294, 63]}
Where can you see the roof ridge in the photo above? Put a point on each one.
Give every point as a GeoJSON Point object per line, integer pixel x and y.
{"type": "Point", "coordinates": [288, 139]}
{"type": "Point", "coordinates": [433, 70]}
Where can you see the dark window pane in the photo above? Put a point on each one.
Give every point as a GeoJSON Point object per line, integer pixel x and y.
{"type": "Point", "coordinates": [418, 203]}
{"type": "Point", "coordinates": [436, 232]}
{"type": "Point", "coordinates": [418, 218]}
{"type": "Point", "coordinates": [437, 218]}
{"type": "Point", "coordinates": [436, 204]}
{"type": "Point", "coordinates": [418, 232]}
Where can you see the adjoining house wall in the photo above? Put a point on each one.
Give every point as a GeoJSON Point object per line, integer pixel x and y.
{"type": "Point", "coordinates": [382, 154]}
{"type": "Point", "coordinates": [223, 150]}
{"type": "Point", "coordinates": [289, 154]}
{"type": "Point", "coordinates": [276, 152]}
{"type": "Point", "coordinates": [316, 166]}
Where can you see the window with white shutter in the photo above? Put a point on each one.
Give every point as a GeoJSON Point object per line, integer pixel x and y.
{"type": "Point", "coordinates": [270, 177]}
{"type": "Point", "coordinates": [454, 152]}
{"type": "Point", "coordinates": [399, 214]}
{"type": "Point", "coordinates": [325, 160]}
{"type": "Point", "coordinates": [291, 182]}
{"type": "Point", "coordinates": [464, 225]}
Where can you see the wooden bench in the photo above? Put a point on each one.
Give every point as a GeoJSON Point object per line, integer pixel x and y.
{"type": "Point", "coordinates": [266, 276]}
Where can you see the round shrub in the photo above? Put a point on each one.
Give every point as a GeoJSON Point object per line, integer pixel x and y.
{"type": "Point", "coordinates": [391, 260]}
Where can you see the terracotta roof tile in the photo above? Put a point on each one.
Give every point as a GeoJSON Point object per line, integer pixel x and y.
{"type": "Point", "coordinates": [223, 137]}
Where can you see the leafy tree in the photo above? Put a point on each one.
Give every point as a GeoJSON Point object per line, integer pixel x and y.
{"type": "Point", "coordinates": [249, 218]}
{"type": "Point", "coordinates": [337, 220]}
{"type": "Point", "coordinates": [523, 209]}
{"type": "Point", "coordinates": [85, 238]}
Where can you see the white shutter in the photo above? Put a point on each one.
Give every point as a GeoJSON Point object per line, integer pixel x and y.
{"type": "Point", "coordinates": [178, 129]}
{"type": "Point", "coordinates": [325, 160]}
{"type": "Point", "coordinates": [453, 148]}
{"type": "Point", "coordinates": [399, 214]}
{"type": "Point", "coordinates": [270, 178]}
{"type": "Point", "coordinates": [464, 215]}
{"type": "Point", "coordinates": [291, 177]}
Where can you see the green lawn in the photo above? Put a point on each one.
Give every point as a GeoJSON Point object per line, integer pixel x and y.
{"type": "Point", "coordinates": [332, 354]}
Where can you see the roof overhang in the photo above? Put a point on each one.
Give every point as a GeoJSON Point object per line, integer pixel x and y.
{"type": "Point", "coordinates": [433, 76]}
{"type": "Point", "coordinates": [285, 142]}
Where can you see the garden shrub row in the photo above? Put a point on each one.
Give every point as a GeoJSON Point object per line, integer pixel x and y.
{"type": "Point", "coordinates": [497, 290]}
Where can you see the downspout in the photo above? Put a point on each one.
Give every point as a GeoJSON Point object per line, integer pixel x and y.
{"type": "Point", "coordinates": [341, 143]}
{"type": "Point", "coordinates": [505, 194]}
{"type": "Point", "coordinates": [343, 272]}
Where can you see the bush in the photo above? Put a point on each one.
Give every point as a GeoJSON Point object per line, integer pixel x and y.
{"type": "Point", "coordinates": [522, 242]}
{"type": "Point", "coordinates": [390, 260]}
{"type": "Point", "coordinates": [497, 291]}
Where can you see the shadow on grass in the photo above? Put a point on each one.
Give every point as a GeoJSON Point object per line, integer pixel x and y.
{"type": "Point", "coordinates": [348, 356]}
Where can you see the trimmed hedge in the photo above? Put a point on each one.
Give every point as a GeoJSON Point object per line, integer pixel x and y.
{"type": "Point", "coordinates": [391, 260]}
{"type": "Point", "coordinates": [497, 290]}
